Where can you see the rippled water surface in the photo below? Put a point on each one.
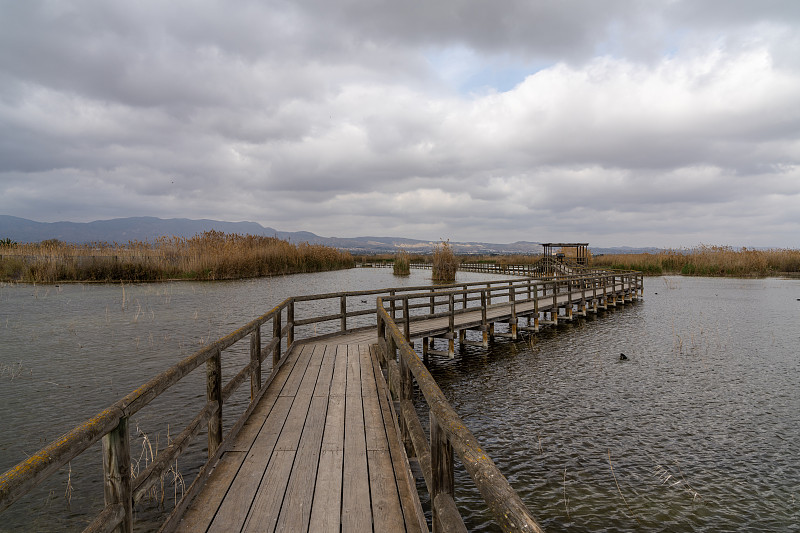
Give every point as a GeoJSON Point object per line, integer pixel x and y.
{"type": "Point", "coordinates": [699, 430]}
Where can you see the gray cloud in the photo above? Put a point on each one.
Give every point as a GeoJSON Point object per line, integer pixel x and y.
{"type": "Point", "coordinates": [659, 123]}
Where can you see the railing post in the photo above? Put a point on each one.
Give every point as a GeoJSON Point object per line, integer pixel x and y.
{"type": "Point", "coordinates": [464, 297]}
{"type": "Point", "coordinates": [214, 395]}
{"type": "Point", "coordinates": [554, 309]}
{"type": "Point", "coordinates": [290, 323]}
{"type": "Point", "coordinates": [512, 298]}
{"type": "Point", "coordinates": [255, 358]}
{"type": "Point", "coordinates": [406, 320]}
{"type": "Point", "coordinates": [276, 334]}
{"type": "Point", "coordinates": [343, 308]}
{"type": "Point", "coordinates": [451, 349]}
{"type": "Point", "coordinates": [442, 478]}
{"type": "Point", "coordinates": [381, 323]}
{"type": "Point", "coordinates": [536, 308]}
{"type": "Point", "coordinates": [406, 389]}
{"type": "Point", "coordinates": [433, 302]}
{"type": "Point", "coordinates": [392, 305]}
{"type": "Point", "coordinates": [117, 473]}
{"type": "Point", "coordinates": [484, 324]}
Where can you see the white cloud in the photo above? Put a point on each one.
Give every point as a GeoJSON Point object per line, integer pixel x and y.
{"type": "Point", "coordinates": [632, 126]}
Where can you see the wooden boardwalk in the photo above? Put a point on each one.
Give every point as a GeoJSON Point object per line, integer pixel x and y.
{"type": "Point", "coordinates": [323, 444]}
{"type": "Point", "coordinates": [321, 449]}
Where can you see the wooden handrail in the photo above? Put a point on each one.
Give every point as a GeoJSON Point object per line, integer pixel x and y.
{"type": "Point", "coordinates": [449, 430]}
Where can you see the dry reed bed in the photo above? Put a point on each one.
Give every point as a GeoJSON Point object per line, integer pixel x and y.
{"type": "Point", "coordinates": [212, 255]}
{"type": "Point", "coordinates": [402, 264]}
{"type": "Point", "coordinates": [707, 261]}
{"type": "Point", "coordinates": [445, 263]}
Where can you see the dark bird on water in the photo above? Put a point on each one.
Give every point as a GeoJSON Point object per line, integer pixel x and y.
{"type": "Point", "coordinates": [623, 357]}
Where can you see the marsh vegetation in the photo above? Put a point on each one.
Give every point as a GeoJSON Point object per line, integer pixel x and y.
{"type": "Point", "coordinates": [212, 255]}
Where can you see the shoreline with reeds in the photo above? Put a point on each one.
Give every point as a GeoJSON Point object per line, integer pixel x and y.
{"type": "Point", "coordinates": [708, 261]}
{"type": "Point", "coordinates": [211, 256]}
{"type": "Point", "coordinates": [701, 261]}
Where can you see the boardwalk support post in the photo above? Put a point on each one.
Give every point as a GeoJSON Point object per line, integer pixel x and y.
{"type": "Point", "coordinates": [255, 360]}
{"type": "Point", "coordinates": [442, 473]}
{"type": "Point", "coordinates": [214, 396]}
{"type": "Point", "coordinates": [276, 336]}
{"type": "Point", "coordinates": [117, 473]}
{"type": "Point", "coordinates": [290, 324]}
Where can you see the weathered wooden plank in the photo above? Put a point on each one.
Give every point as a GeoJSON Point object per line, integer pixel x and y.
{"type": "Point", "coordinates": [386, 512]}
{"type": "Point", "coordinates": [244, 439]}
{"type": "Point", "coordinates": [414, 517]}
{"type": "Point", "coordinates": [356, 511]}
{"type": "Point", "coordinates": [296, 510]}
{"type": "Point", "coordinates": [264, 513]}
{"type": "Point", "coordinates": [197, 516]}
{"type": "Point", "coordinates": [374, 429]}
{"type": "Point", "coordinates": [295, 378]}
{"type": "Point", "coordinates": [323, 386]}
{"type": "Point", "coordinates": [327, 504]}
{"type": "Point", "coordinates": [233, 510]}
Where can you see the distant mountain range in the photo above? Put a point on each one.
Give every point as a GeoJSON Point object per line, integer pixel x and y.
{"type": "Point", "coordinates": [122, 230]}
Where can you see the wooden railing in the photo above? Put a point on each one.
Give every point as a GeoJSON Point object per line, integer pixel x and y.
{"type": "Point", "coordinates": [544, 266]}
{"type": "Point", "coordinates": [279, 326]}
{"type": "Point", "coordinates": [448, 434]}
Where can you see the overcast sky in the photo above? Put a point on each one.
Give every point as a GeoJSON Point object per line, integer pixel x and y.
{"type": "Point", "coordinates": [621, 122]}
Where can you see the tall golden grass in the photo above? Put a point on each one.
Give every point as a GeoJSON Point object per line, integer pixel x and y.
{"type": "Point", "coordinates": [445, 263]}
{"type": "Point", "coordinates": [402, 263]}
{"type": "Point", "coordinates": [212, 255]}
{"type": "Point", "coordinates": [707, 261]}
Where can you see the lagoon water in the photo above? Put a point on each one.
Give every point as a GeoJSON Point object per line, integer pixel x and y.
{"type": "Point", "coordinates": [699, 430]}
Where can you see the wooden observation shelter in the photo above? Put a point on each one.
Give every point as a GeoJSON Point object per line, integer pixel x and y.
{"type": "Point", "coordinates": [581, 251]}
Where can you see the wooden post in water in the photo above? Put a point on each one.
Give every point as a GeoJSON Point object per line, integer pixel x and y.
{"type": "Point", "coordinates": [117, 473]}
{"type": "Point", "coordinates": [255, 358]}
{"type": "Point", "coordinates": [214, 395]}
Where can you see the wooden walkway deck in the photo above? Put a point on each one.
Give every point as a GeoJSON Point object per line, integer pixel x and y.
{"type": "Point", "coordinates": [321, 449]}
